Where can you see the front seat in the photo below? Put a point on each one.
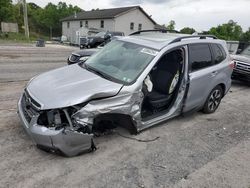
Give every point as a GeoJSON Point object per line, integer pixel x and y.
{"type": "Point", "coordinates": [160, 96]}
{"type": "Point", "coordinates": [165, 79]}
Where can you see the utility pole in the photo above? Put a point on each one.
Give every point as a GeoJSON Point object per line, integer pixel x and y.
{"type": "Point", "coordinates": [25, 18]}
{"type": "Point", "coordinates": [50, 32]}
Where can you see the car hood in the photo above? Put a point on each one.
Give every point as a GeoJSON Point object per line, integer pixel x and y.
{"type": "Point", "coordinates": [85, 52]}
{"type": "Point", "coordinates": [69, 86]}
{"type": "Point", "coordinates": [245, 59]}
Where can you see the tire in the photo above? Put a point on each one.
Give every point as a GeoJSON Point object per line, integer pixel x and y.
{"type": "Point", "coordinates": [213, 100]}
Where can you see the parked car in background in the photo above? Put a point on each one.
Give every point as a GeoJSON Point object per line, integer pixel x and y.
{"type": "Point", "coordinates": [99, 38]}
{"type": "Point", "coordinates": [81, 55]}
{"type": "Point", "coordinates": [242, 65]}
{"type": "Point", "coordinates": [134, 82]}
{"type": "Point", "coordinates": [84, 54]}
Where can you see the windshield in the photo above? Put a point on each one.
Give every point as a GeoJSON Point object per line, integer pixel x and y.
{"type": "Point", "coordinates": [100, 34]}
{"type": "Point", "coordinates": [246, 51]}
{"type": "Point", "coordinates": [121, 61]}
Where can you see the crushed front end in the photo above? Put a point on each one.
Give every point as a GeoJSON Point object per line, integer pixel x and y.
{"type": "Point", "coordinates": [54, 129]}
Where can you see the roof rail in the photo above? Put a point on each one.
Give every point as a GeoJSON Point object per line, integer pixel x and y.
{"type": "Point", "coordinates": [155, 30]}
{"type": "Point", "coordinates": [193, 36]}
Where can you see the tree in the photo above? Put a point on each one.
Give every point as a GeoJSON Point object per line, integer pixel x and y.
{"type": "Point", "coordinates": [187, 30]}
{"type": "Point", "coordinates": [47, 19]}
{"type": "Point", "coordinates": [6, 11]}
{"type": "Point", "coordinates": [246, 36]}
{"type": "Point", "coordinates": [171, 25]}
{"type": "Point", "coordinates": [227, 31]}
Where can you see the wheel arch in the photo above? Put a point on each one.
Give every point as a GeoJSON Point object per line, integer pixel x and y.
{"type": "Point", "coordinates": [223, 86]}
{"type": "Point", "coordinates": [112, 120]}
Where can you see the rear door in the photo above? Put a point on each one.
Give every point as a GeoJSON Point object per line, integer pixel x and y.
{"type": "Point", "coordinates": [201, 72]}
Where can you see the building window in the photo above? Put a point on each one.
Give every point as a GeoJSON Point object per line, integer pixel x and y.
{"type": "Point", "coordinates": [68, 24]}
{"type": "Point", "coordinates": [86, 23]}
{"type": "Point", "coordinates": [102, 23]}
{"type": "Point", "coordinates": [139, 27]}
{"type": "Point", "coordinates": [132, 26]}
{"type": "Point", "coordinates": [80, 23]}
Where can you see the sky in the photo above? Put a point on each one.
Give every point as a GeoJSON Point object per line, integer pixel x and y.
{"type": "Point", "coordinates": [198, 14]}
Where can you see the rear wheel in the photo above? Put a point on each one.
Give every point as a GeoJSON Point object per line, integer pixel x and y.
{"type": "Point", "coordinates": [213, 100]}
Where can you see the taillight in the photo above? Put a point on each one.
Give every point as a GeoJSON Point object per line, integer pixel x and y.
{"type": "Point", "coordinates": [232, 64]}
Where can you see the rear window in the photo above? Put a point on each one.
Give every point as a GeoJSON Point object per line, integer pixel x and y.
{"type": "Point", "coordinates": [219, 53]}
{"type": "Point", "coordinates": [199, 56]}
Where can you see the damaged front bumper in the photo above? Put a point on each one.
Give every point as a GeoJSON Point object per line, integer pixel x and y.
{"type": "Point", "coordinates": [65, 140]}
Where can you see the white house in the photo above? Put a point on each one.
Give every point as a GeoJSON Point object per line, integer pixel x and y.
{"type": "Point", "coordinates": [124, 19]}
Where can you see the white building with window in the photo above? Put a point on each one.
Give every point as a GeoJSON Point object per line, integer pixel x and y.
{"type": "Point", "coordinates": [124, 19]}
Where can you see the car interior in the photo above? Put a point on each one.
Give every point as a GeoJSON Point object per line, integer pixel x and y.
{"type": "Point", "coordinates": [165, 78]}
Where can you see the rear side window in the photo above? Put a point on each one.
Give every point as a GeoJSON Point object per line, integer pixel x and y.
{"type": "Point", "coordinates": [219, 53]}
{"type": "Point", "coordinates": [199, 56]}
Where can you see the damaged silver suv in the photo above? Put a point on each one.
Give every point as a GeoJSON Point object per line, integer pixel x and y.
{"type": "Point", "coordinates": [134, 82]}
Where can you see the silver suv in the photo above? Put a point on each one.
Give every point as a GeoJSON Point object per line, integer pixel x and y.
{"type": "Point", "coordinates": [134, 82]}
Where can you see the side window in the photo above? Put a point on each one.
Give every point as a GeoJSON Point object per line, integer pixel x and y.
{"type": "Point", "coordinates": [199, 56]}
{"type": "Point", "coordinates": [219, 56]}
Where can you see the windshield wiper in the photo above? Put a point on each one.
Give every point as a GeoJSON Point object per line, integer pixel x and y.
{"type": "Point", "coordinates": [91, 69]}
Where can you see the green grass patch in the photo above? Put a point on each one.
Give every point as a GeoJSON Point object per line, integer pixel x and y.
{"type": "Point", "coordinates": [20, 37]}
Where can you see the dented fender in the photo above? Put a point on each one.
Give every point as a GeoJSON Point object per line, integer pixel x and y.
{"type": "Point", "coordinates": [128, 104]}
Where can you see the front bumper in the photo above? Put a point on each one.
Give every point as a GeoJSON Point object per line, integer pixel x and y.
{"type": "Point", "coordinates": [67, 141]}
{"type": "Point", "coordinates": [241, 75]}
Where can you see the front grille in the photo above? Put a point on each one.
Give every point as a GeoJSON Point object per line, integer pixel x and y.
{"type": "Point", "coordinates": [74, 58]}
{"type": "Point", "coordinates": [242, 67]}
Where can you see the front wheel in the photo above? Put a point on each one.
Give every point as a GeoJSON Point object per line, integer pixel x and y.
{"type": "Point", "coordinates": [213, 100]}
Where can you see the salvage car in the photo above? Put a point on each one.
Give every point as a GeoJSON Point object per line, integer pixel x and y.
{"type": "Point", "coordinates": [134, 82]}
{"type": "Point", "coordinates": [242, 65]}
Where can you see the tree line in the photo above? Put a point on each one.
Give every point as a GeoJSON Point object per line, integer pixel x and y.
{"type": "Point", "coordinates": [227, 31]}
{"type": "Point", "coordinates": [43, 20]}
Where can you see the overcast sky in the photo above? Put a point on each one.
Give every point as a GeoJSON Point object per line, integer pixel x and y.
{"type": "Point", "coordinates": [199, 14]}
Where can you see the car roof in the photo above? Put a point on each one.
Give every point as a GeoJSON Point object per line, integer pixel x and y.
{"type": "Point", "coordinates": [159, 40]}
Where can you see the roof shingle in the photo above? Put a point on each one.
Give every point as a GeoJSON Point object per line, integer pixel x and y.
{"type": "Point", "coordinates": [103, 14]}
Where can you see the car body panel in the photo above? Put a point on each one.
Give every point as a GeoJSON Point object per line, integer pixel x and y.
{"type": "Point", "coordinates": [198, 91]}
{"type": "Point", "coordinates": [69, 86]}
{"type": "Point", "coordinates": [69, 142]}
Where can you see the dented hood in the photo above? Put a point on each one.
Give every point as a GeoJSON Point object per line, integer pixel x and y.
{"type": "Point", "coordinates": [69, 85]}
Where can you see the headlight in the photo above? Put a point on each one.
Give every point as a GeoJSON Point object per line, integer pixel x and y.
{"type": "Point", "coordinates": [84, 58]}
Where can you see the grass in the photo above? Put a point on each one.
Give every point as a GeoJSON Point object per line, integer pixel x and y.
{"type": "Point", "coordinates": [20, 37]}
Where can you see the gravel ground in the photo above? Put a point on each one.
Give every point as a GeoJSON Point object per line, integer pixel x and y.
{"type": "Point", "coordinates": [193, 151]}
